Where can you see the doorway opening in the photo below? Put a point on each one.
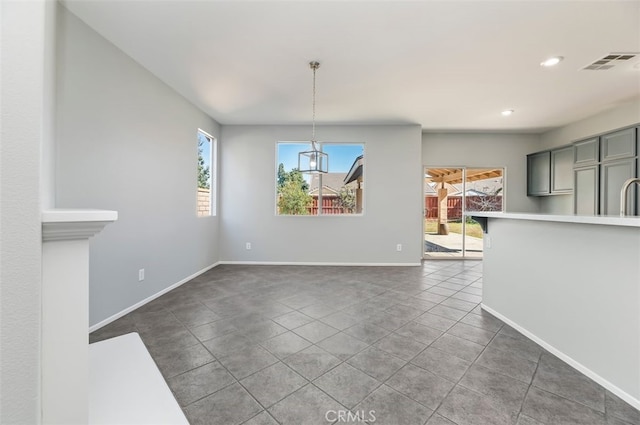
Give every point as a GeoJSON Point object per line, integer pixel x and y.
{"type": "Point", "coordinates": [450, 193]}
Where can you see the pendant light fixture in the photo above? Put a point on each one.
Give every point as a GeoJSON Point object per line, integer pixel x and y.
{"type": "Point", "coordinates": [313, 161]}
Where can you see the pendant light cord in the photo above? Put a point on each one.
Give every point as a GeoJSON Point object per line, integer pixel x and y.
{"type": "Point", "coordinates": [314, 65]}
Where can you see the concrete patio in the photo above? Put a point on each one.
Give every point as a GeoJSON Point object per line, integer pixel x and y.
{"type": "Point", "coordinates": [438, 246]}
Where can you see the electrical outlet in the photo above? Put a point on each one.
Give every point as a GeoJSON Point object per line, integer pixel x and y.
{"type": "Point", "coordinates": [248, 246]}
{"type": "Point", "coordinates": [140, 275]}
{"type": "Point", "coordinates": [399, 247]}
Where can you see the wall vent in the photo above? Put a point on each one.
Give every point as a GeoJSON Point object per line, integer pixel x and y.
{"type": "Point", "coordinates": [612, 60]}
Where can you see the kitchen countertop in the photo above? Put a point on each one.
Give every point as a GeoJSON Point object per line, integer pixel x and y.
{"type": "Point", "coordinates": [629, 221]}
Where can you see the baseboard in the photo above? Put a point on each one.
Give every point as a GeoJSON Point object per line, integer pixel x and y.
{"type": "Point", "coordinates": [570, 361]}
{"type": "Point", "coordinates": [308, 263]}
{"type": "Point", "coordinates": [137, 305]}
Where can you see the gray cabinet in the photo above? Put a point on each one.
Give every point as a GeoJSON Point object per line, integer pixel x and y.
{"type": "Point", "coordinates": [562, 170]}
{"type": "Point", "coordinates": [613, 174]}
{"type": "Point", "coordinates": [618, 145]}
{"type": "Point", "coordinates": [550, 172]}
{"type": "Point", "coordinates": [586, 152]}
{"type": "Point", "coordinates": [601, 166]}
{"type": "Point", "coordinates": [586, 198]}
{"type": "Point", "coordinates": [539, 174]}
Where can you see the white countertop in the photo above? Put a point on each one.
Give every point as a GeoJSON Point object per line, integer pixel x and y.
{"type": "Point", "coordinates": [629, 221]}
{"type": "Point", "coordinates": [65, 215]}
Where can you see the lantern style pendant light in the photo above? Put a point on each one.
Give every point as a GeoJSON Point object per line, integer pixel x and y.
{"type": "Point", "coordinates": [314, 161]}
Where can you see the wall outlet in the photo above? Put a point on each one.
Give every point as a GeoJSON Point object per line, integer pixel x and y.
{"type": "Point", "coordinates": [140, 275]}
{"type": "Point", "coordinates": [248, 246]}
{"type": "Point", "coordinates": [399, 247]}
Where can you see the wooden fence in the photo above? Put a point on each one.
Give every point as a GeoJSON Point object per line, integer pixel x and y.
{"type": "Point", "coordinates": [329, 206]}
{"type": "Point", "coordinates": [454, 205]}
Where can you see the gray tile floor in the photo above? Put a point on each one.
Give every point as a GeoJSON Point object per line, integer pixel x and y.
{"type": "Point", "coordinates": [389, 345]}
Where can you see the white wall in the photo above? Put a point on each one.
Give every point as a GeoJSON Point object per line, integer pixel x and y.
{"type": "Point", "coordinates": [127, 142]}
{"type": "Point", "coordinates": [620, 116]}
{"type": "Point", "coordinates": [487, 150]}
{"type": "Point", "coordinates": [21, 110]}
{"type": "Point", "coordinates": [392, 199]}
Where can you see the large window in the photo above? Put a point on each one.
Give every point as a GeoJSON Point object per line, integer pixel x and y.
{"type": "Point", "coordinates": [339, 191]}
{"type": "Point", "coordinates": [206, 203]}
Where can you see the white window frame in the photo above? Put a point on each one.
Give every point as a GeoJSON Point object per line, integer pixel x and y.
{"type": "Point", "coordinates": [213, 174]}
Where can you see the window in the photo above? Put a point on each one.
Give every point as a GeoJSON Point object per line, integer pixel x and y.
{"type": "Point", "coordinates": [206, 203]}
{"type": "Point", "coordinates": [339, 191]}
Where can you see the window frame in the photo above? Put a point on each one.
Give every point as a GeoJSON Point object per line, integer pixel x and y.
{"type": "Point", "coordinates": [306, 145]}
{"type": "Point", "coordinates": [213, 174]}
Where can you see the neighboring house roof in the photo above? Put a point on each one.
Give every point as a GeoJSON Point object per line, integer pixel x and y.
{"type": "Point", "coordinates": [356, 170]}
{"type": "Point", "coordinates": [331, 183]}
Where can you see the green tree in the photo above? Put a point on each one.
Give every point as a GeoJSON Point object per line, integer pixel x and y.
{"type": "Point", "coordinates": [203, 169]}
{"type": "Point", "coordinates": [347, 199]}
{"type": "Point", "coordinates": [293, 199]}
{"type": "Point", "coordinates": [282, 176]}
{"type": "Point", "coordinates": [293, 192]}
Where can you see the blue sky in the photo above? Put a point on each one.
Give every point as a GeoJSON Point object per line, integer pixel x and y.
{"type": "Point", "coordinates": [206, 151]}
{"type": "Point", "coordinates": [341, 155]}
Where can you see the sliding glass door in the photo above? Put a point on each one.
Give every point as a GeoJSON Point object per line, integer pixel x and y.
{"type": "Point", "coordinates": [449, 194]}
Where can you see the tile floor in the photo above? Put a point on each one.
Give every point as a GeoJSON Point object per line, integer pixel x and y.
{"type": "Point", "coordinates": [386, 345]}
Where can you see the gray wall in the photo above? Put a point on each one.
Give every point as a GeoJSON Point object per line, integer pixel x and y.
{"type": "Point", "coordinates": [613, 119]}
{"type": "Point", "coordinates": [487, 150]}
{"type": "Point", "coordinates": [392, 199]}
{"type": "Point", "coordinates": [127, 142]}
{"type": "Point", "coordinates": [21, 112]}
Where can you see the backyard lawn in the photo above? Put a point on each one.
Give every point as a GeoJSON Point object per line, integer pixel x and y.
{"type": "Point", "coordinates": [473, 229]}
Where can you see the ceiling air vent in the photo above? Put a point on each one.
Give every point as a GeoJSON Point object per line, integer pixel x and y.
{"type": "Point", "coordinates": [612, 60]}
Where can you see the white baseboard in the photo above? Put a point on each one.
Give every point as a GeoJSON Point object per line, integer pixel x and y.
{"type": "Point", "coordinates": [570, 361]}
{"type": "Point", "coordinates": [149, 299]}
{"type": "Point", "coordinates": [307, 263]}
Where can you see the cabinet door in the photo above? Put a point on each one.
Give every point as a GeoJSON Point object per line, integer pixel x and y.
{"type": "Point", "coordinates": [562, 170]}
{"type": "Point", "coordinates": [586, 190]}
{"type": "Point", "coordinates": [613, 175]}
{"type": "Point", "coordinates": [538, 174]}
{"type": "Point", "coordinates": [618, 145]}
{"type": "Point", "coordinates": [587, 152]}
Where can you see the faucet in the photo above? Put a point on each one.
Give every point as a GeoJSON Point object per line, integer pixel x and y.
{"type": "Point", "coordinates": [623, 195]}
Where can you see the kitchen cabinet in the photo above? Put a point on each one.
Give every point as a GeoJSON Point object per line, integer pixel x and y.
{"type": "Point", "coordinates": [601, 166]}
{"type": "Point", "coordinates": [539, 174]}
{"type": "Point", "coordinates": [613, 174]}
{"type": "Point", "coordinates": [586, 152]}
{"type": "Point", "coordinates": [618, 145]}
{"type": "Point", "coordinates": [562, 170]}
{"type": "Point", "coordinates": [586, 196]}
{"type": "Point", "coordinates": [550, 172]}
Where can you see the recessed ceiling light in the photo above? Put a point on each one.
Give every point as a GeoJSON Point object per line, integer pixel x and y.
{"type": "Point", "coordinates": [507, 112]}
{"type": "Point", "coordinates": [551, 61]}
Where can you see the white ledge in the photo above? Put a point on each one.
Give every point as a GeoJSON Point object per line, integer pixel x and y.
{"type": "Point", "coordinates": [629, 221]}
{"type": "Point", "coordinates": [73, 224]}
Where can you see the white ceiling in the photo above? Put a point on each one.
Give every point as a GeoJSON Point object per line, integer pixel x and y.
{"type": "Point", "coordinates": [446, 65]}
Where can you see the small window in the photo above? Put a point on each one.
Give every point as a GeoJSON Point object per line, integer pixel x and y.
{"type": "Point", "coordinates": [340, 191]}
{"type": "Point", "coordinates": [206, 203]}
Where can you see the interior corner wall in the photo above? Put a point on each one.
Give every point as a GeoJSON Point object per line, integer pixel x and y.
{"type": "Point", "coordinates": [128, 142]}
{"type": "Point", "coordinates": [392, 199]}
{"type": "Point", "coordinates": [22, 43]}
{"type": "Point", "coordinates": [487, 150]}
